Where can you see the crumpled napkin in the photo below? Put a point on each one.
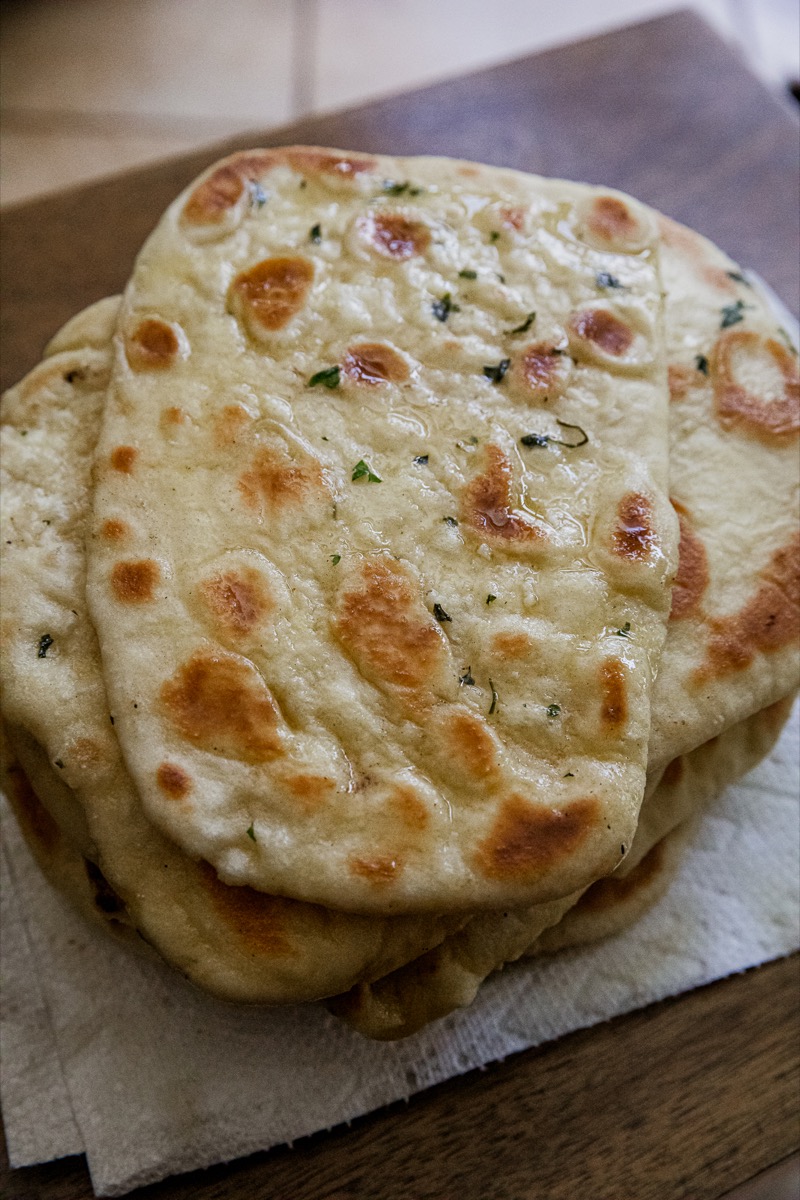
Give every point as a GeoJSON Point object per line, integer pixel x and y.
{"type": "Point", "coordinates": [120, 1057]}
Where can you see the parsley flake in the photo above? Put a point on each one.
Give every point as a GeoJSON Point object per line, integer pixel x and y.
{"type": "Point", "coordinates": [738, 278]}
{"type": "Point", "coordinates": [316, 234]}
{"type": "Point", "coordinates": [336, 559]}
{"type": "Point", "coordinates": [421, 460]}
{"type": "Point", "coordinates": [328, 377]}
{"type": "Point", "coordinates": [467, 678]}
{"type": "Point", "coordinates": [525, 326]}
{"type": "Point", "coordinates": [732, 314]}
{"type": "Point", "coordinates": [625, 631]}
{"type": "Point", "coordinates": [467, 274]}
{"type": "Point", "coordinates": [442, 308]}
{"type": "Point", "coordinates": [450, 520]}
{"type": "Point", "coordinates": [440, 614]}
{"type": "Point", "coordinates": [362, 471]}
{"type": "Point", "coordinates": [701, 362]}
{"type": "Point", "coordinates": [544, 439]}
{"type": "Point", "coordinates": [496, 373]}
{"type": "Point", "coordinates": [251, 833]}
{"type": "Point", "coordinates": [553, 711]}
{"type": "Point", "coordinates": [395, 189]}
{"type": "Point", "coordinates": [494, 235]}
{"type": "Point", "coordinates": [45, 642]}
{"type": "Point", "coordinates": [58, 763]}
{"type": "Point", "coordinates": [494, 698]}
{"type": "Point", "coordinates": [569, 775]}
{"type": "Point", "coordinates": [604, 280]}
{"type": "Point", "coordinates": [490, 598]}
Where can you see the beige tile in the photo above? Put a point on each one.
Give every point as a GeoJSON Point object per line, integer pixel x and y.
{"type": "Point", "coordinates": [366, 48]}
{"type": "Point", "coordinates": [188, 58]}
{"type": "Point", "coordinates": [34, 163]}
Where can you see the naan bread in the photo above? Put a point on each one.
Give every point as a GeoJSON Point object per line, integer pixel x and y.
{"type": "Point", "coordinates": [733, 642]}
{"type": "Point", "coordinates": [376, 526]}
{"type": "Point", "coordinates": [74, 798]}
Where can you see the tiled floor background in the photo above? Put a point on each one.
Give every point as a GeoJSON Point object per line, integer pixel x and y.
{"type": "Point", "coordinates": [90, 87]}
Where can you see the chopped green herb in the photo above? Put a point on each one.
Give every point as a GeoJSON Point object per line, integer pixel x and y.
{"type": "Point", "coordinates": [328, 377]}
{"type": "Point", "coordinates": [494, 698]}
{"type": "Point", "coordinates": [490, 599]}
{"type": "Point", "coordinates": [701, 362]}
{"type": "Point", "coordinates": [467, 678]}
{"type": "Point", "coordinates": [258, 197]}
{"type": "Point", "coordinates": [553, 711]}
{"type": "Point", "coordinates": [251, 833]}
{"type": "Point", "coordinates": [543, 439]}
{"type": "Point", "coordinates": [732, 314]}
{"type": "Point", "coordinates": [450, 520]}
{"type": "Point", "coordinates": [788, 340]}
{"type": "Point", "coordinates": [467, 274]}
{"type": "Point", "coordinates": [738, 278]}
{"type": "Point", "coordinates": [316, 233]}
{"type": "Point", "coordinates": [625, 631]}
{"type": "Point", "coordinates": [494, 235]}
{"type": "Point", "coordinates": [569, 775]}
{"type": "Point", "coordinates": [440, 614]}
{"type": "Point", "coordinates": [496, 373]}
{"type": "Point", "coordinates": [303, 183]}
{"type": "Point", "coordinates": [604, 280]}
{"type": "Point", "coordinates": [395, 189]}
{"type": "Point", "coordinates": [421, 460]}
{"type": "Point", "coordinates": [473, 441]}
{"type": "Point", "coordinates": [442, 308]}
{"type": "Point", "coordinates": [502, 278]}
{"type": "Point", "coordinates": [525, 326]}
{"type": "Point", "coordinates": [59, 764]}
{"type": "Point", "coordinates": [336, 559]}
{"type": "Point", "coordinates": [111, 719]}
{"type": "Point", "coordinates": [362, 471]}
{"type": "Point", "coordinates": [45, 642]}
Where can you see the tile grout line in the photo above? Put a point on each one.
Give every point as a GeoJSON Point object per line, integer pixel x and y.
{"type": "Point", "coordinates": [305, 29]}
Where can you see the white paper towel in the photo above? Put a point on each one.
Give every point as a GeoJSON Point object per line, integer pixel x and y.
{"type": "Point", "coordinates": [162, 1079]}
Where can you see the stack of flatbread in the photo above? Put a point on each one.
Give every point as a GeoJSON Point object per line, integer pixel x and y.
{"type": "Point", "coordinates": [393, 574]}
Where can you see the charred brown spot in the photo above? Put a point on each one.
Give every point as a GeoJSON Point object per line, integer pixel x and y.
{"type": "Point", "coordinates": [134, 582]}
{"type": "Point", "coordinates": [604, 330]}
{"type": "Point", "coordinates": [681, 381]}
{"type": "Point", "coordinates": [173, 781]}
{"type": "Point", "coordinates": [85, 753]}
{"type": "Point", "coordinates": [613, 696]}
{"type": "Point", "coordinates": [776, 418]}
{"type": "Point", "coordinates": [615, 889]}
{"type": "Point", "coordinates": [275, 481]}
{"type": "Point", "coordinates": [385, 627]}
{"type": "Point", "coordinates": [611, 220]}
{"type": "Point", "coordinates": [634, 536]}
{"type": "Point", "coordinates": [374, 362]}
{"type": "Point", "coordinates": [311, 790]}
{"type": "Point", "coordinates": [220, 702]}
{"type": "Point", "coordinates": [172, 417]}
{"type": "Point", "coordinates": [513, 217]}
{"type": "Point", "coordinates": [237, 599]}
{"type": "Point", "coordinates": [262, 922]}
{"type": "Point", "coordinates": [691, 580]}
{"type": "Point", "coordinates": [381, 870]}
{"type": "Point", "coordinates": [222, 190]}
{"type": "Point", "coordinates": [544, 369]}
{"type": "Point", "coordinates": [408, 806]}
{"type": "Point", "coordinates": [471, 745]}
{"type": "Point", "coordinates": [527, 840]}
{"type": "Point", "coordinates": [345, 166]}
{"type": "Point", "coordinates": [37, 824]}
{"type": "Point", "coordinates": [510, 645]}
{"type": "Point", "coordinates": [229, 423]}
{"type": "Point", "coordinates": [153, 345]}
{"type": "Point", "coordinates": [114, 530]}
{"type": "Point", "coordinates": [768, 621]}
{"type": "Point", "coordinates": [487, 504]}
{"type": "Point", "coordinates": [396, 236]}
{"type": "Point", "coordinates": [123, 458]}
{"type": "Point", "coordinates": [272, 292]}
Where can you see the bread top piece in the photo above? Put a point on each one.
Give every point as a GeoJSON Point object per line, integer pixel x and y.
{"type": "Point", "coordinates": [387, 440]}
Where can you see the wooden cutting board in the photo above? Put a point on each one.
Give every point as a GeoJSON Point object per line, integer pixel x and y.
{"type": "Point", "coordinates": [689, 1097]}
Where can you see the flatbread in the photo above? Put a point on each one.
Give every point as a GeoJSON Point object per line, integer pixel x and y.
{"type": "Point", "coordinates": [75, 801]}
{"type": "Point", "coordinates": [360, 641]}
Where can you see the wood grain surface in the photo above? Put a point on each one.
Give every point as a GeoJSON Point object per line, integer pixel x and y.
{"type": "Point", "coordinates": [686, 1098]}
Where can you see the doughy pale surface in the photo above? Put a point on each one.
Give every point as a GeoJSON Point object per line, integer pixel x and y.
{"type": "Point", "coordinates": [360, 641]}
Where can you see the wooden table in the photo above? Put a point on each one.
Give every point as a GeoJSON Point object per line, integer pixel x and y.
{"type": "Point", "coordinates": [686, 1098]}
